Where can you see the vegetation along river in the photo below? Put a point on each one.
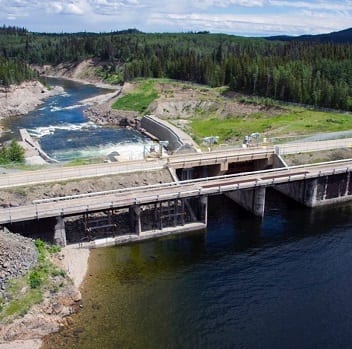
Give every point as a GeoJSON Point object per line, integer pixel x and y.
{"type": "Point", "coordinates": [283, 282]}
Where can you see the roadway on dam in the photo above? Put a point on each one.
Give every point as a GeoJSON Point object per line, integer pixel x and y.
{"type": "Point", "coordinates": [61, 173]}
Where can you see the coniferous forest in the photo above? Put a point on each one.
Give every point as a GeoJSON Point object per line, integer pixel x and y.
{"type": "Point", "coordinates": [302, 71]}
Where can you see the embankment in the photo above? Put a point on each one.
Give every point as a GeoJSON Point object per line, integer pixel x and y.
{"type": "Point", "coordinates": [20, 99]}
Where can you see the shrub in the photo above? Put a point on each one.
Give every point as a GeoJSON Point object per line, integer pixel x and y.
{"type": "Point", "coordinates": [35, 279]}
{"type": "Point", "coordinates": [12, 153]}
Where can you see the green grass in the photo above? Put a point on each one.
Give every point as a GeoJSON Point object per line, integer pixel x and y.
{"type": "Point", "coordinates": [139, 99]}
{"type": "Point", "coordinates": [295, 121]}
{"type": "Point", "coordinates": [28, 290]}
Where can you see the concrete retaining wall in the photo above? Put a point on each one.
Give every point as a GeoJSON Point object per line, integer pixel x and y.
{"type": "Point", "coordinates": [164, 131]}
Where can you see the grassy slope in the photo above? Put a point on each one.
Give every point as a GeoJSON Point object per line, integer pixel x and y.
{"type": "Point", "coordinates": [139, 99]}
{"type": "Point", "coordinates": [295, 121]}
{"type": "Point", "coordinates": [292, 120]}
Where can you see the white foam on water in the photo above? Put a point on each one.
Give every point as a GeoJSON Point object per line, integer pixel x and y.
{"type": "Point", "coordinates": [54, 108]}
{"type": "Point", "coordinates": [125, 150]}
{"type": "Point", "coordinates": [40, 132]}
{"type": "Point", "coordinates": [65, 94]}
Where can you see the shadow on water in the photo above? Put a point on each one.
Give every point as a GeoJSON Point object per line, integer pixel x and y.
{"type": "Point", "coordinates": [280, 282]}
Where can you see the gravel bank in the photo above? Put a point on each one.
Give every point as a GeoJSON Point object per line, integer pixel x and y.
{"type": "Point", "coordinates": [53, 312]}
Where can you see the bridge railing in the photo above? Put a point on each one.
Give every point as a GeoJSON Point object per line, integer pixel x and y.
{"type": "Point", "coordinates": [190, 182]}
{"type": "Point", "coordinates": [77, 172]}
{"type": "Point", "coordinates": [303, 147]}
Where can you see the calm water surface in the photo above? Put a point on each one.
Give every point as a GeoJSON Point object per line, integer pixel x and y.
{"type": "Point", "coordinates": [284, 282]}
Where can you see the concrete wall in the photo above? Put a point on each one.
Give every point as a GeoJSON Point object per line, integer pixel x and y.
{"type": "Point", "coordinates": [162, 132]}
{"type": "Point", "coordinates": [60, 232]}
{"type": "Point", "coordinates": [278, 161]}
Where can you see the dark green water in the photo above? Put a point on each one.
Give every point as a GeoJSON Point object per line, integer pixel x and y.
{"type": "Point", "coordinates": [284, 282]}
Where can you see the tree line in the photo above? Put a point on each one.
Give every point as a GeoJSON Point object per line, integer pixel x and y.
{"type": "Point", "coordinates": [14, 72]}
{"type": "Point", "coordinates": [297, 71]}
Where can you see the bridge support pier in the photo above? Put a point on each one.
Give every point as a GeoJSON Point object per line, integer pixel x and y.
{"type": "Point", "coordinates": [135, 219]}
{"type": "Point", "coordinates": [60, 232]}
{"type": "Point", "coordinates": [204, 209]}
{"type": "Point", "coordinates": [252, 200]}
{"type": "Point", "coordinates": [320, 191]}
{"type": "Point", "coordinates": [304, 192]}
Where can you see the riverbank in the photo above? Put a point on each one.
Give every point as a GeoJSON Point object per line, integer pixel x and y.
{"type": "Point", "coordinates": [20, 99]}
{"type": "Point", "coordinates": [54, 311]}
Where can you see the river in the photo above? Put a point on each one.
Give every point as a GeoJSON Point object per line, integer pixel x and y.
{"type": "Point", "coordinates": [64, 132]}
{"type": "Point", "coordinates": [283, 281]}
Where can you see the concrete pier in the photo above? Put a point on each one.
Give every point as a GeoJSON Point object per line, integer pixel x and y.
{"type": "Point", "coordinates": [252, 200]}
{"type": "Point", "coordinates": [324, 190]}
{"type": "Point", "coordinates": [135, 216]}
{"type": "Point", "coordinates": [60, 232]}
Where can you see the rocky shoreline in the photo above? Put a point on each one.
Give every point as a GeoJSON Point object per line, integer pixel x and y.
{"type": "Point", "coordinates": [20, 99]}
{"type": "Point", "coordinates": [20, 255]}
{"type": "Point", "coordinates": [102, 114]}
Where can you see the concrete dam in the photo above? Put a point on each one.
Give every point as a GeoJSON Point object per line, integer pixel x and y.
{"type": "Point", "coordinates": [145, 212]}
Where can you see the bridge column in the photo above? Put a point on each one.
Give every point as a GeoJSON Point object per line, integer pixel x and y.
{"type": "Point", "coordinates": [204, 209]}
{"type": "Point", "coordinates": [60, 232]}
{"type": "Point", "coordinates": [135, 219]}
{"type": "Point", "coordinates": [305, 191]}
{"type": "Point", "coordinates": [252, 200]}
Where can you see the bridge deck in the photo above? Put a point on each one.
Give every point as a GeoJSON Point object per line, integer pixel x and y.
{"type": "Point", "coordinates": [78, 204]}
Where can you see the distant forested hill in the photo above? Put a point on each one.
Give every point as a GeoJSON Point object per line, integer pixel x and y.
{"type": "Point", "coordinates": [308, 72]}
{"type": "Point", "coordinates": [339, 37]}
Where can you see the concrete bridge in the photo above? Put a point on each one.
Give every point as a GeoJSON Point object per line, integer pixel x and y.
{"type": "Point", "coordinates": [180, 206]}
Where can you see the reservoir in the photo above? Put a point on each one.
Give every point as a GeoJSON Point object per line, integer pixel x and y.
{"type": "Point", "coordinates": [280, 282]}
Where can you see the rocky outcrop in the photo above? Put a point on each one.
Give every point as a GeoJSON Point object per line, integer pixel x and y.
{"type": "Point", "coordinates": [45, 318]}
{"type": "Point", "coordinates": [102, 114]}
{"type": "Point", "coordinates": [85, 71]}
{"type": "Point", "coordinates": [17, 255]}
